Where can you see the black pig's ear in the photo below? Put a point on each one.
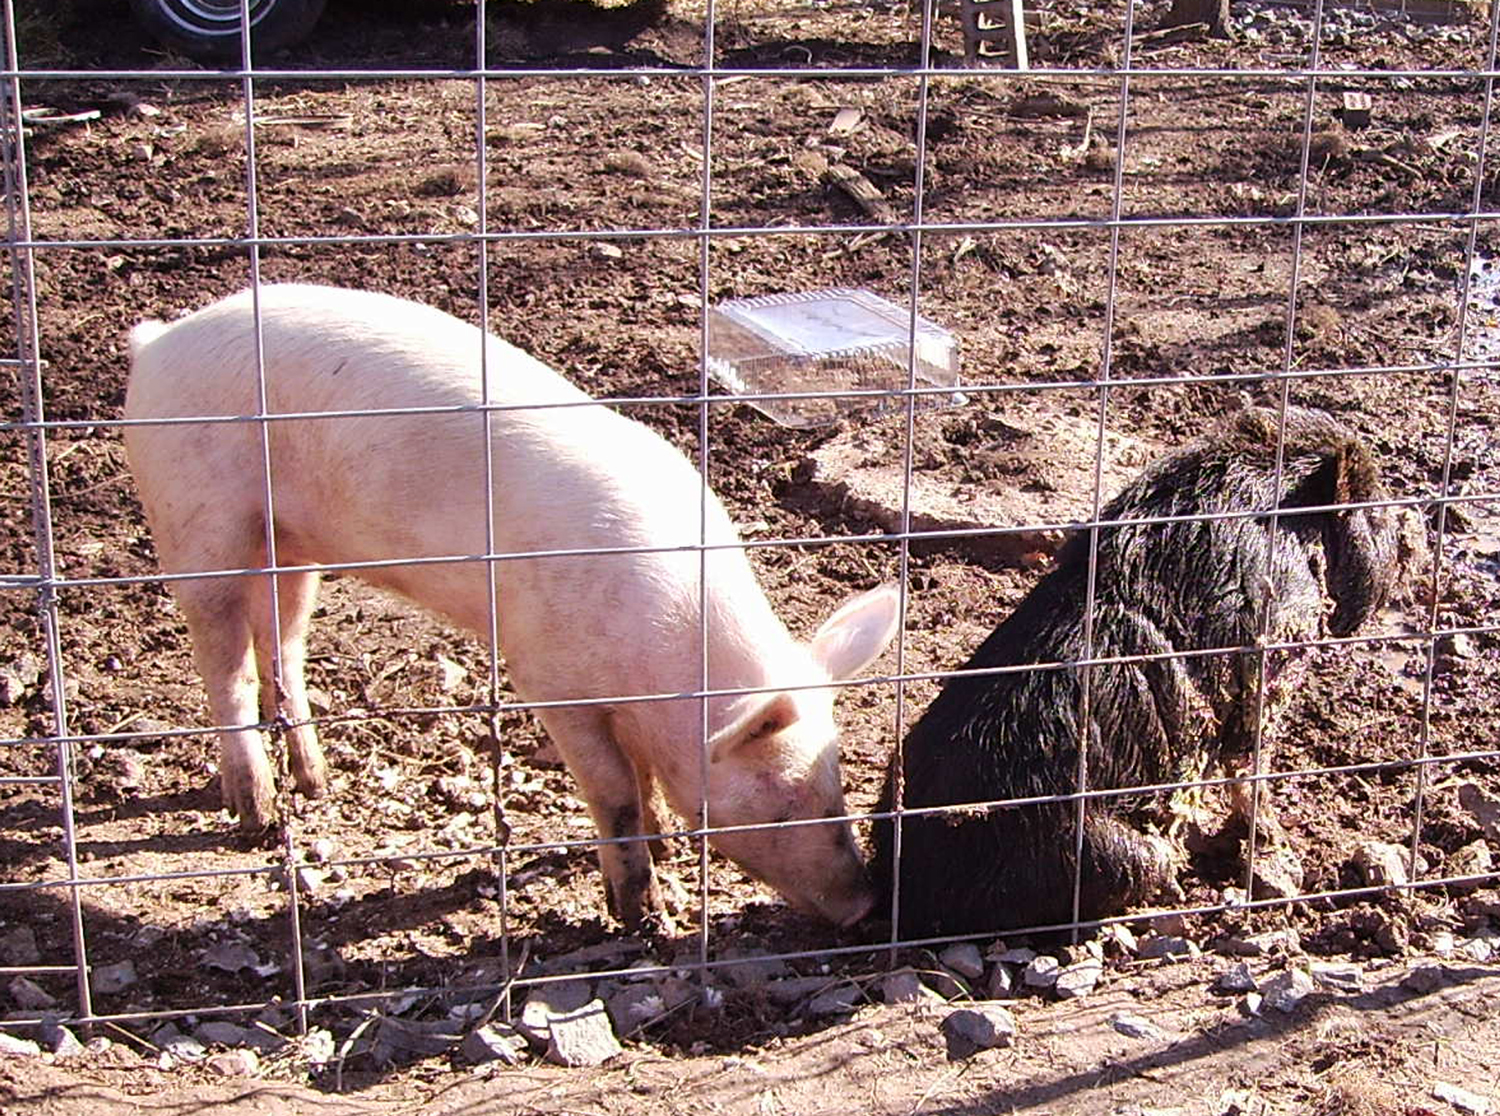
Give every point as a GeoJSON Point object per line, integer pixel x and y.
{"type": "Point", "coordinates": [761, 722]}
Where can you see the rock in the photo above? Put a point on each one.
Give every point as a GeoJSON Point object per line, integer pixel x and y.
{"type": "Point", "coordinates": [1041, 973]}
{"type": "Point", "coordinates": [171, 1041]}
{"type": "Point", "coordinates": [904, 986]}
{"type": "Point", "coordinates": [18, 948]}
{"type": "Point", "coordinates": [1168, 947]}
{"type": "Point", "coordinates": [1480, 949]}
{"type": "Point", "coordinates": [220, 1032]}
{"type": "Point", "coordinates": [310, 879]}
{"type": "Point", "coordinates": [27, 994]}
{"type": "Point", "coordinates": [231, 957]}
{"type": "Point", "coordinates": [789, 990]}
{"type": "Point", "coordinates": [494, 1042]}
{"type": "Point", "coordinates": [1278, 873]}
{"type": "Point", "coordinates": [1266, 944]}
{"type": "Point", "coordinates": [1461, 1099]}
{"type": "Point", "coordinates": [1287, 989]}
{"type": "Point", "coordinates": [1424, 979]}
{"type": "Point", "coordinates": [582, 1037]}
{"type": "Point", "coordinates": [752, 970]}
{"type": "Point", "coordinates": [398, 1041]}
{"type": "Point", "coordinates": [1237, 978]}
{"type": "Point", "coordinates": [1381, 864]}
{"type": "Point", "coordinates": [1002, 982]}
{"type": "Point", "coordinates": [17, 1047]}
{"type": "Point", "coordinates": [322, 850]}
{"type": "Point", "coordinates": [1339, 978]}
{"type": "Point", "coordinates": [1169, 925]}
{"type": "Point", "coordinates": [546, 1002]}
{"type": "Point", "coordinates": [982, 1026]}
{"type": "Point", "coordinates": [1474, 859]}
{"type": "Point", "coordinates": [1121, 939]}
{"type": "Point", "coordinates": [1484, 806]}
{"type": "Point", "coordinates": [109, 979]}
{"type": "Point", "coordinates": [1251, 1004]}
{"type": "Point", "coordinates": [1078, 980]}
{"type": "Point", "coordinates": [841, 999]}
{"type": "Point", "coordinates": [60, 1040]}
{"type": "Point", "coordinates": [964, 959]}
{"type": "Point", "coordinates": [947, 985]}
{"type": "Point", "coordinates": [635, 1006]}
{"type": "Point", "coordinates": [235, 1063]}
{"type": "Point", "coordinates": [1135, 1026]}
{"type": "Point", "coordinates": [1019, 956]}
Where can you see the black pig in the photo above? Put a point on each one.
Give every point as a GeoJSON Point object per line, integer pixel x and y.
{"type": "Point", "coordinates": [1160, 588]}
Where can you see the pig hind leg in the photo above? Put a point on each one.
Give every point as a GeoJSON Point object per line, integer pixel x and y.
{"type": "Point", "coordinates": [295, 595]}
{"type": "Point", "coordinates": [218, 615]}
{"type": "Point", "coordinates": [610, 785]}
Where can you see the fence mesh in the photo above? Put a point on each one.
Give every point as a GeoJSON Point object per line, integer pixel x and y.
{"type": "Point", "coordinates": [1147, 231]}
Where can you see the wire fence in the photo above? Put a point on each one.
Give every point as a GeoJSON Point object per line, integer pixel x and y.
{"type": "Point", "coordinates": [84, 882]}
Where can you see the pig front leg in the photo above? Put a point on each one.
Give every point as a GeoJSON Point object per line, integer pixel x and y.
{"type": "Point", "coordinates": [610, 786]}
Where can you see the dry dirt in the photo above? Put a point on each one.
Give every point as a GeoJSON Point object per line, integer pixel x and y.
{"type": "Point", "coordinates": [386, 156]}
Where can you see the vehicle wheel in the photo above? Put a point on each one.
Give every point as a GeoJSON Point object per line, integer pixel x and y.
{"type": "Point", "coordinates": [211, 28]}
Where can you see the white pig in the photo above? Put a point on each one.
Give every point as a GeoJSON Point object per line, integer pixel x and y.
{"type": "Point", "coordinates": [592, 626]}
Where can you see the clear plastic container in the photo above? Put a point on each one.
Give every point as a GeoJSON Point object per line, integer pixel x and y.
{"type": "Point", "coordinates": [835, 340]}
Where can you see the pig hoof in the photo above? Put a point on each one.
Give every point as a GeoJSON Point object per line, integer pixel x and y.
{"type": "Point", "coordinates": [310, 774]}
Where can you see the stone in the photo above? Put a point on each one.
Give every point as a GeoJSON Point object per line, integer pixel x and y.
{"type": "Point", "coordinates": [220, 1032]}
{"type": "Point", "coordinates": [841, 999]}
{"type": "Point", "coordinates": [1278, 873]}
{"type": "Point", "coordinates": [582, 1037]}
{"type": "Point", "coordinates": [546, 1002]}
{"type": "Point", "coordinates": [1461, 1099]}
{"type": "Point", "coordinates": [1382, 864]}
{"type": "Point", "coordinates": [1480, 949]}
{"type": "Point", "coordinates": [1484, 806]}
{"type": "Point", "coordinates": [753, 968]}
{"type": "Point", "coordinates": [1168, 947]}
{"type": "Point", "coordinates": [230, 957]}
{"type": "Point", "coordinates": [947, 985]}
{"type": "Point", "coordinates": [1266, 944]}
{"type": "Point", "coordinates": [1284, 991]}
{"type": "Point", "coordinates": [1473, 859]}
{"type": "Point", "coordinates": [1135, 1026]}
{"type": "Point", "coordinates": [1424, 979]}
{"type": "Point", "coordinates": [181, 1047]}
{"type": "Point", "coordinates": [494, 1042]}
{"type": "Point", "coordinates": [1078, 979]}
{"type": "Point", "coordinates": [27, 994]}
{"type": "Point", "coordinates": [1237, 978]}
{"type": "Point", "coordinates": [904, 986]}
{"type": "Point", "coordinates": [109, 979]}
{"type": "Point", "coordinates": [1121, 939]}
{"type": "Point", "coordinates": [964, 959]}
{"type": "Point", "coordinates": [310, 879]}
{"type": "Point", "coordinates": [982, 1026]}
{"type": "Point", "coordinates": [634, 1006]}
{"type": "Point", "coordinates": [789, 990]}
{"type": "Point", "coordinates": [398, 1041]}
{"type": "Point", "coordinates": [1171, 925]}
{"type": "Point", "coordinates": [1338, 978]}
{"type": "Point", "coordinates": [17, 1047]}
{"type": "Point", "coordinates": [1019, 956]}
{"type": "Point", "coordinates": [18, 948]}
{"type": "Point", "coordinates": [1041, 973]}
{"type": "Point", "coordinates": [234, 1063]}
{"type": "Point", "coordinates": [60, 1040]}
{"type": "Point", "coordinates": [1002, 982]}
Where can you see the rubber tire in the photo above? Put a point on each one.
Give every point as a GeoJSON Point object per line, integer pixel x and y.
{"type": "Point", "coordinates": [210, 29]}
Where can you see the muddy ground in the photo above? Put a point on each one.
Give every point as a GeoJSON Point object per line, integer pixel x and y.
{"type": "Point", "coordinates": [345, 158]}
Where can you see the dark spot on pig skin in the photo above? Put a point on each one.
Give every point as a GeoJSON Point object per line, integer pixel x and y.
{"type": "Point", "coordinates": [1159, 589]}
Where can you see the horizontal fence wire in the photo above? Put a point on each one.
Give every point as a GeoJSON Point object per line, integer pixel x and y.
{"type": "Point", "coordinates": [502, 857]}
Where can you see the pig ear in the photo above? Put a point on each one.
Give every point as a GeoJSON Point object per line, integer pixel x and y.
{"type": "Point", "coordinates": [857, 633]}
{"type": "Point", "coordinates": [762, 722]}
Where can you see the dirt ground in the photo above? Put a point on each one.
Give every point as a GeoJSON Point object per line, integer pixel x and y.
{"type": "Point", "coordinates": [410, 896]}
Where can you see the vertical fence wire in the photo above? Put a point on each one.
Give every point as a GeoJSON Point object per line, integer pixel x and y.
{"type": "Point", "coordinates": [33, 414]}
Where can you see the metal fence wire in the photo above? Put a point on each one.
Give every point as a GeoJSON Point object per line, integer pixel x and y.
{"type": "Point", "coordinates": [1039, 215]}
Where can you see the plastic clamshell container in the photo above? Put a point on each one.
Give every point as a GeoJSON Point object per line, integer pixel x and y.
{"type": "Point", "coordinates": [835, 340]}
